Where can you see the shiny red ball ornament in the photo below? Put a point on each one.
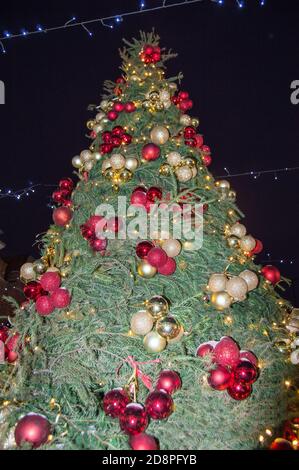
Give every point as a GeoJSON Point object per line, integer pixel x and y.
{"type": "Point", "coordinates": [106, 148]}
{"type": "Point", "coordinates": [33, 290]}
{"type": "Point", "coordinates": [130, 107]}
{"type": "Point", "coordinates": [183, 95]}
{"type": "Point", "coordinates": [281, 444]}
{"type": "Point", "coordinates": [134, 419]}
{"type": "Point", "coordinates": [189, 132]}
{"type": "Point", "coordinates": [119, 107]}
{"type": "Point", "coordinates": [257, 249]}
{"type": "Point", "coordinates": [157, 257]}
{"type": "Point", "coordinates": [99, 244]}
{"type": "Point", "coordinates": [271, 274]}
{"type": "Point", "coordinates": [44, 306]}
{"type": "Point", "coordinates": [116, 141]}
{"type": "Point", "coordinates": [66, 184]}
{"type": "Point", "coordinates": [169, 381]}
{"type": "Point", "coordinates": [106, 137]}
{"type": "Point", "coordinates": [50, 281]}
{"type": "Point", "coordinates": [159, 405]}
{"type": "Point", "coordinates": [144, 442]}
{"type": "Point", "coordinates": [138, 198]}
{"type": "Point", "coordinates": [206, 149]}
{"type": "Point", "coordinates": [169, 268]}
{"type": "Point", "coordinates": [199, 140]}
{"type": "Point", "coordinates": [60, 196]}
{"type": "Point", "coordinates": [239, 391]}
{"type": "Point", "coordinates": [126, 139]}
{"type": "Point", "coordinates": [154, 194]}
{"type": "Point", "coordinates": [4, 333]}
{"type": "Point", "coordinates": [250, 357]}
{"type": "Point", "coordinates": [87, 232]}
{"type": "Point", "coordinates": [205, 349]}
{"type": "Point", "coordinates": [118, 131]}
{"type": "Point", "coordinates": [115, 402]}
{"type": "Point", "coordinates": [143, 249]}
{"type": "Point", "coordinates": [112, 115]}
{"type": "Point", "coordinates": [220, 378]}
{"type": "Point", "coordinates": [227, 353]}
{"type": "Point", "coordinates": [207, 160]}
{"type": "Point", "coordinates": [62, 216]}
{"type": "Point", "coordinates": [33, 429]}
{"type": "Point", "coordinates": [94, 222]}
{"type": "Point", "coordinates": [151, 152]}
{"type": "Point", "coordinates": [191, 142]}
{"type": "Point", "coordinates": [120, 80]}
{"type": "Point", "coordinates": [246, 372]}
{"type": "Point", "coordinates": [148, 50]}
{"type": "Point", "coordinates": [11, 357]}
{"type": "Point", "coordinates": [61, 298]}
{"type": "Point", "coordinates": [13, 343]}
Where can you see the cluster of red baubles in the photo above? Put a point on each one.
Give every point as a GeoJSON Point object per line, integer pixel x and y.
{"type": "Point", "coordinates": [114, 139]}
{"type": "Point", "coordinates": [47, 294]}
{"type": "Point", "coordinates": [119, 108]}
{"type": "Point", "coordinates": [206, 155]}
{"type": "Point", "coordinates": [182, 101]}
{"type": "Point", "coordinates": [64, 192]}
{"type": "Point", "coordinates": [235, 370]}
{"type": "Point", "coordinates": [91, 230]}
{"type": "Point", "coordinates": [156, 257]}
{"type": "Point", "coordinates": [33, 430]}
{"type": "Point", "coordinates": [134, 417]}
{"type": "Point", "coordinates": [143, 197]}
{"type": "Point", "coordinates": [271, 274]}
{"type": "Point", "coordinates": [10, 344]}
{"type": "Point", "coordinates": [192, 139]}
{"type": "Point", "coordinates": [150, 54]}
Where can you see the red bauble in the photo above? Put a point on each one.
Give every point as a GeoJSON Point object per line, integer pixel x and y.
{"type": "Point", "coordinates": [157, 257]}
{"type": "Point", "coordinates": [138, 198]}
{"type": "Point", "coordinates": [112, 115]}
{"type": "Point", "coordinates": [206, 348]}
{"type": "Point", "coordinates": [33, 290]}
{"type": "Point", "coordinates": [227, 353]}
{"type": "Point", "coordinates": [62, 216]}
{"type": "Point", "coordinates": [151, 152]}
{"type": "Point", "coordinates": [169, 268]}
{"type": "Point", "coordinates": [281, 444]}
{"type": "Point", "coordinates": [206, 149]}
{"type": "Point", "coordinates": [246, 372]}
{"type": "Point", "coordinates": [143, 249]}
{"type": "Point", "coordinates": [120, 80]}
{"type": "Point", "coordinates": [271, 274]}
{"type": "Point", "coordinates": [118, 131]}
{"type": "Point", "coordinates": [106, 137]}
{"type": "Point", "coordinates": [134, 419]}
{"type": "Point", "coordinates": [250, 357]}
{"type": "Point", "coordinates": [106, 148]}
{"type": "Point", "coordinates": [148, 50]}
{"type": "Point", "coordinates": [44, 306]}
{"type": "Point", "coordinates": [116, 141]}
{"type": "Point", "coordinates": [66, 184]}
{"type": "Point", "coordinates": [13, 343]}
{"type": "Point", "coordinates": [159, 405]}
{"type": "Point", "coordinates": [50, 281]}
{"type": "Point", "coordinates": [220, 378]}
{"type": "Point", "coordinates": [126, 139]}
{"type": "Point", "coordinates": [169, 381]}
{"type": "Point", "coordinates": [87, 232]}
{"type": "Point", "coordinates": [33, 429]}
{"type": "Point", "coordinates": [258, 248]}
{"type": "Point", "coordinates": [60, 196]}
{"type": "Point", "coordinates": [199, 141]}
{"type": "Point", "coordinates": [130, 107]}
{"type": "Point", "coordinates": [99, 244]}
{"type": "Point", "coordinates": [189, 132]}
{"type": "Point", "coordinates": [183, 95]}
{"type": "Point", "coordinates": [207, 160]}
{"type": "Point", "coordinates": [115, 402]}
{"type": "Point", "coordinates": [144, 442]}
{"type": "Point", "coordinates": [4, 333]}
{"type": "Point", "coordinates": [61, 298]}
{"type": "Point", "coordinates": [119, 107]}
{"type": "Point", "coordinates": [156, 57]}
{"type": "Point", "coordinates": [11, 357]}
{"type": "Point", "coordinates": [94, 221]}
{"type": "Point", "coordinates": [154, 194]}
{"type": "Point", "coordinates": [240, 391]}
{"type": "Point", "coordinates": [114, 224]}
{"type": "Point", "coordinates": [191, 142]}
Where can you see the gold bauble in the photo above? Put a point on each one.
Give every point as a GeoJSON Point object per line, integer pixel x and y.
{"type": "Point", "coordinates": [292, 323]}
{"type": "Point", "coordinates": [250, 278]}
{"type": "Point", "coordinates": [109, 174]}
{"type": "Point", "coordinates": [27, 272]}
{"type": "Point", "coordinates": [98, 128]}
{"type": "Point", "coordinates": [154, 96]}
{"type": "Point", "coordinates": [125, 175]}
{"type": "Point", "coordinates": [159, 106]}
{"type": "Point", "coordinates": [168, 328]}
{"type": "Point", "coordinates": [294, 357]}
{"type": "Point", "coordinates": [189, 162]}
{"type": "Point", "coordinates": [184, 174]}
{"type": "Point", "coordinates": [97, 156]}
{"type": "Point", "coordinates": [146, 104]}
{"type": "Point", "coordinates": [178, 338]}
{"type": "Point", "coordinates": [223, 185]}
{"type": "Point", "coordinates": [88, 166]}
{"type": "Point", "coordinates": [185, 120]}
{"type": "Point", "coordinates": [158, 307]}
{"type": "Point", "coordinates": [132, 163]}
{"type": "Point", "coordinates": [100, 116]}
{"type": "Point", "coordinates": [221, 300]}
{"type": "Point", "coordinates": [104, 105]}
{"type": "Point", "coordinates": [165, 95]}
{"type": "Point", "coordinates": [159, 135]}
{"type": "Point", "coordinates": [174, 158]}
{"type": "Point", "coordinates": [154, 343]}
{"type": "Point", "coordinates": [53, 269]}
{"type": "Point", "coordinates": [238, 230]}
{"type": "Point", "coordinates": [247, 243]}
{"type": "Point", "coordinates": [195, 122]}
{"type": "Point", "coordinates": [90, 124]}
{"type": "Point", "coordinates": [283, 345]}
{"type": "Point", "coordinates": [39, 266]}
{"type": "Point", "coordinates": [172, 86]}
{"type": "Point", "coordinates": [165, 170]}
{"type": "Point", "coordinates": [237, 288]}
{"type": "Point", "coordinates": [172, 248]}
{"type": "Point", "coordinates": [232, 195]}
{"type": "Point", "coordinates": [142, 323]}
{"type": "Point", "coordinates": [146, 271]}
{"type": "Point", "coordinates": [117, 161]}
{"type": "Point", "coordinates": [85, 156]}
{"type": "Point", "coordinates": [217, 283]}
{"type": "Point", "coordinates": [76, 162]}
{"type": "Point", "coordinates": [106, 165]}
{"type": "Point", "coordinates": [233, 242]}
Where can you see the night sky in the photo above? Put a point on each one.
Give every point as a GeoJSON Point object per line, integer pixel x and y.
{"type": "Point", "coordinates": [238, 66]}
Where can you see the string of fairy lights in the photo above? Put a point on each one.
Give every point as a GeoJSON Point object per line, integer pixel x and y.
{"type": "Point", "coordinates": [111, 21]}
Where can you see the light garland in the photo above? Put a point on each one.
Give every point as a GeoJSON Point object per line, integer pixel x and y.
{"type": "Point", "coordinates": [112, 20]}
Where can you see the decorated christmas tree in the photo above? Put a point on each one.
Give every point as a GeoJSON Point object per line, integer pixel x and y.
{"type": "Point", "coordinates": [133, 334]}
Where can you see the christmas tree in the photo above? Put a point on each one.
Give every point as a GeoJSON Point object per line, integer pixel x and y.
{"type": "Point", "coordinates": [138, 338]}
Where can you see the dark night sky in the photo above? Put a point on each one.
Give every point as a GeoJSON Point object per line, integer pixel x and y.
{"type": "Point", "coordinates": [238, 67]}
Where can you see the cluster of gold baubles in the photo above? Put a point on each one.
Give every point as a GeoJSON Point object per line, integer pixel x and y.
{"type": "Point", "coordinates": [156, 100]}
{"type": "Point", "coordinates": [32, 271]}
{"type": "Point", "coordinates": [86, 160]}
{"type": "Point", "coordinates": [290, 345]}
{"type": "Point", "coordinates": [157, 325]}
{"type": "Point", "coordinates": [119, 169]}
{"type": "Point", "coordinates": [185, 169]}
{"type": "Point", "coordinates": [226, 289]}
{"type": "Point", "coordinates": [237, 238]}
{"type": "Point", "coordinates": [225, 191]}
